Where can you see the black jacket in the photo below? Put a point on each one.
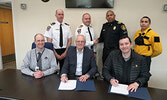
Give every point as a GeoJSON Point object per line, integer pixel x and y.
{"type": "Point", "coordinates": [111, 33]}
{"type": "Point", "coordinates": [138, 71]}
{"type": "Point", "coordinates": [88, 65]}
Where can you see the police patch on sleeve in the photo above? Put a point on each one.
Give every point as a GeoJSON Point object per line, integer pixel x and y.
{"type": "Point", "coordinates": [123, 27]}
{"type": "Point", "coordinates": [79, 31]}
{"type": "Point", "coordinates": [156, 39]}
{"type": "Point", "coordinates": [48, 28]}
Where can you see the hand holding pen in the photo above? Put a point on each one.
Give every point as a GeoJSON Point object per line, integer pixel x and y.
{"type": "Point", "coordinates": [114, 82]}
{"type": "Point", "coordinates": [64, 78]}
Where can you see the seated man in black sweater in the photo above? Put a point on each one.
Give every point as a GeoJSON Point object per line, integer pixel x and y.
{"type": "Point", "coordinates": [126, 67]}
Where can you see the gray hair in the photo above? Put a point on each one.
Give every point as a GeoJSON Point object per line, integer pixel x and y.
{"type": "Point", "coordinates": [38, 34]}
{"type": "Point", "coordinates": [80, 35]}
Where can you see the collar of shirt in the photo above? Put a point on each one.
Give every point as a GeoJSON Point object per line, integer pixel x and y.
{"type": "Point", "coordinates": [38, 51]}
{"type": "Point", "coordinates": [59, 23]}
{"type": "Point", "coordinates": [145, 31]}
{"type": "Point", "coordinates": [80, 52]}
{"type": "Point", "coordinates": [86, 26]}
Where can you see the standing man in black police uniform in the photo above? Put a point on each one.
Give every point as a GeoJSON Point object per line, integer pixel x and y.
{"type": "Point", "coordinates": [110, 34]}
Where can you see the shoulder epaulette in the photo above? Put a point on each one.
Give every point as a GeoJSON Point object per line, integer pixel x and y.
{"type": "Point", "coordinates": [52, 23]}
{"type": "Point", "coordinates": [119, 22]}
{"type": "Point", "coordinates": [66, 24]}
{"type": "Point", "coordinates": [80, 26]}
{"type": "Point", "coordinates": [106, 23]}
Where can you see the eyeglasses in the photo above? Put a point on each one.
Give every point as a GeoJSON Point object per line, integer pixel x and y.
{"type": "Point", "coordinates": [40, 40]}
{"type": "Point", "coordinates": [80, 41]}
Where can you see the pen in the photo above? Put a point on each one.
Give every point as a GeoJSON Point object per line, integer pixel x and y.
{"type": "Point", "coordinates": [66, 77]}
{"type": "Point", "coordinates": [115, 79]}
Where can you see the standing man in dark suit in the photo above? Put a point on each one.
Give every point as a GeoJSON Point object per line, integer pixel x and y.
{"type": "Point", "coordinates": [79, 62]}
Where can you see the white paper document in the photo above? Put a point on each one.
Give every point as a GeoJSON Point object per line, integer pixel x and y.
{"type": "Point", "coordinates": [69, 85]}
{"type": "Point", "coordinates": [120, 89]}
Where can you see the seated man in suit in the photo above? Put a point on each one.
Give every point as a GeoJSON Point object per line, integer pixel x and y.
{"type": "Point", "coordinates": [79, 62]}
{"type": "Point", "coordinates": [40, 61]}
{"type": "Point", "coordinates": [126, 67]}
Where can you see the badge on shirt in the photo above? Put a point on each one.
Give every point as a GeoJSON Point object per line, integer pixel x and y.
{"type": "Point", "coordinates": [103, 29]}
{"type": "Point", "coordinates": [123, 27]}
{"type": "Point", "coordinates": [48, 28]}
{"type": "Point", "coordinates": [136, 65]}
{"type": "Point", "coordinates": [79, 31]}
{"type": "Point", "coordinates": [114, 27]}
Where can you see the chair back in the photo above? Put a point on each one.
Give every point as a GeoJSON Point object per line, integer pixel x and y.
{"type": "Point", "coordinates": [47, 45]}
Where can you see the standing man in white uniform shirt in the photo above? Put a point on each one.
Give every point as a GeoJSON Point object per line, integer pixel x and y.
{"type": "Point", "coordinates": [59, 33]}
{"type": "Point", "coordinates": [87, 30]}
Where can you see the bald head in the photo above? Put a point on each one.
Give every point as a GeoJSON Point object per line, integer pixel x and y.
{"type": "Point", "coordinates": [86, 19]}
{"type": "Point", "coordinates": [87, 14]}
{"type": "Point", "coordinates": [110, 16]}
{"type": "Point", "coordinates": [109, 11]}
{"type": "Point", "coordinates": [59, 10]}
{"type": "Point", "coordinates": [59, 15]}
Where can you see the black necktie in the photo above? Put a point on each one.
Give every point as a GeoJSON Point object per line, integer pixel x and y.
{"type": "Point", "coordinates": [61, 36]}
{"type": "Point", "coordinates": [90, 36]}
{"type": "Point", "coordinates": [39, 61]}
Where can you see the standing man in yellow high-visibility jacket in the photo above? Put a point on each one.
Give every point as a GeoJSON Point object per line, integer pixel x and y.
{"type": "Point", "coordinates": [147, 42]}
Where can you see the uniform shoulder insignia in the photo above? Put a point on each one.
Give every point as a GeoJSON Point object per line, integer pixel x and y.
{"type": "Point", "coordinates": [156, 39]}
{"type": "Point", "coordinates": [80, 26]}
{"type": "Point", "coordinates": [105, 23]}
{"type": "Point", "coordinates": [79, 31]}
{"type": "Point", "coordinates": [119, 22]}
{"type": "Point", "coordinates": [52, 23]}
{"type": "Point", "coordinates": [48, 28]}
{"type": "Point", "coordinates": [123, 27]}
{"type": "Point", "coordinates": [66, 24]}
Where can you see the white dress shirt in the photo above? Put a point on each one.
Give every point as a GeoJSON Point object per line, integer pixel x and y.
{"type": "Point", "coordinates": [83, 30]}
{"type": "Point", "coordinates": [53, 32]}
{"type": "Point", "coordinates": [79, 63]}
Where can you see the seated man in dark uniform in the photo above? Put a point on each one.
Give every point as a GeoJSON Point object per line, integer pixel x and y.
{"type": "Point", "coordinates": [126, 67]}
{"type": "Point", "coordinates": [79, 62]}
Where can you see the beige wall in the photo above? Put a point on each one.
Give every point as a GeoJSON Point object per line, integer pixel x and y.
{"type": "Point", "coordinates": [38, 15]}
